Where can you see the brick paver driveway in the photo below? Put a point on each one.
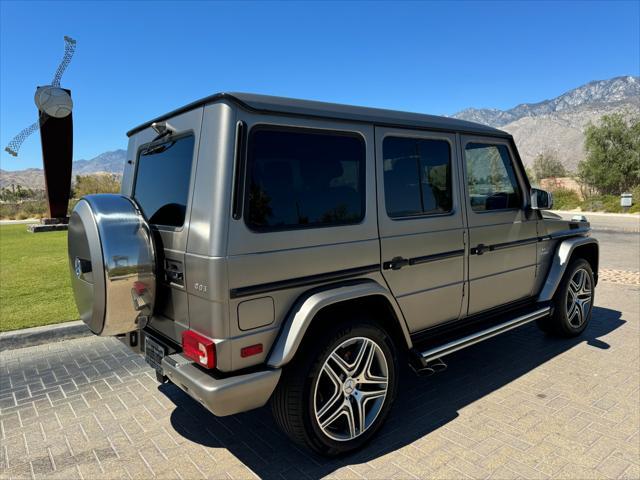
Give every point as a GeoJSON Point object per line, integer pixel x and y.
{"type": "Point", "coordinates": [517, 406]}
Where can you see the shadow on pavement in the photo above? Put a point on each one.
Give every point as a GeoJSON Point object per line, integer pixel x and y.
{"type": "Point", "coordinates": [422, 406]}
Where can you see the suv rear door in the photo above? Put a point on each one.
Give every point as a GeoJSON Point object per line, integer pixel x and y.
{"type": "Point", "coordinates": [161, 180]}
{"type": "Point", "coordinates": [502, 239]}
{"type": "Point", "coordinates": [421, 223]}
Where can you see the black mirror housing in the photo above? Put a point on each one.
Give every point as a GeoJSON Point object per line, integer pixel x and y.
{"type": "Point", "coordinates": [541, 199]}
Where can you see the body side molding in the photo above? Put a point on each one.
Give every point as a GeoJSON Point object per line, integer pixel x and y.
{"type": "Point", "coordinates": [308, 305]}
{"type": "Point", "coordinates": [560, 261]}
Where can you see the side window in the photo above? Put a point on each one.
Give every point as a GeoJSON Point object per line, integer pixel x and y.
{"type": "Point", "coordinates": [299, 178]}
{"type": "Point", "coordinates": [417, 176]}
{"type": "Point", "coordinates": [491, 178]}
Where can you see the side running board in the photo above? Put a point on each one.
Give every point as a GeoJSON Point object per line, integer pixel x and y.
{"type": "Point", "coordinates": [436, 353]}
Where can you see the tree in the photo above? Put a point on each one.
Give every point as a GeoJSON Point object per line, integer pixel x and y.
{"type": "Point", "coordinates": [547, 165]}
{"type": "Point", "coordinates": [612, 165]}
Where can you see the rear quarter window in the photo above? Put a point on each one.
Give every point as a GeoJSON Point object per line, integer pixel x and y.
{"type": "Point", "coordinates": [162, 181]}
{"type": "Point", "coordinates": [302, 178]}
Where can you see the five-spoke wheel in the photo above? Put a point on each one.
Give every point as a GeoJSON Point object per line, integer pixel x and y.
{"type": "Point", "coordinates": [351, 388]}
{"type": "Point", "coordinates": [579, 297]}
{"type": "Point", "coordinates": [339, 391]}
{"type": "Point", "coordinates": [572, 302]}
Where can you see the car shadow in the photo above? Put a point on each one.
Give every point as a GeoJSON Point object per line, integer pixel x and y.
{"type": "Point", "coordinates": [423, 405]}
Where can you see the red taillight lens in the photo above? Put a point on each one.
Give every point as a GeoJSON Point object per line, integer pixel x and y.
{"type": "Point", "coordinates": [252, 350]}
{"type": "Point", "coordinates": [199, 349]}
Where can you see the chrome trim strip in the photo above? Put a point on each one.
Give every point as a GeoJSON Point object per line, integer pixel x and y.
{"type": "Point", "coordinates": [459, 344]}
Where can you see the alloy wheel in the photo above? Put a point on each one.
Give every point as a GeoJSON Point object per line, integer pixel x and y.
{"type": "Point", "coordinates": [579, 298]}
{"type": "Point", "coordinates": [351, 389]}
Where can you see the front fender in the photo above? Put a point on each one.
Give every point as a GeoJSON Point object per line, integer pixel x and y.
{"type": "Point", "coordinates": [561, 259]}
{"type": "Point", "coordinates": [306, 308]}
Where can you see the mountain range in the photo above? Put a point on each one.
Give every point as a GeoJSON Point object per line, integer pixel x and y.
{"type": "Point", "coordinates": [557, 125]}
{"type": "Point", "coordinates": [550, 126]}
{"type": "Point", "coordinates": [107, 162]}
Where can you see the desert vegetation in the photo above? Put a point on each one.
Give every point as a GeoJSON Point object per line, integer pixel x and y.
{"type": "Point", "coordinates": [19, 203]}
{"type": "Point", "coordinates": [611, 167]}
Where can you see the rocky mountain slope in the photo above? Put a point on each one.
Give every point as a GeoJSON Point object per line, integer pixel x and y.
{"type": "Point", "coordinates": [557, 125]}
{"type": "Point", "coordinates": [107, 162]}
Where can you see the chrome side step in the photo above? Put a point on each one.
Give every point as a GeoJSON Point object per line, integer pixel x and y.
{"type": "Point", "coordinates": [453, 346]}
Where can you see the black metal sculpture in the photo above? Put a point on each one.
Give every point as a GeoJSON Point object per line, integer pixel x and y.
{"type": "Point", "coordinates": [55, 122]}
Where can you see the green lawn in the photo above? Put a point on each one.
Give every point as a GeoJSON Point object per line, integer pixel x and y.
{"type": "Point", "coordinates": [34, 279]}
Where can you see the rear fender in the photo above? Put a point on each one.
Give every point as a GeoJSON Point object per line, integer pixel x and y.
{"type": "Point", "coordinates": [311, 303]}
{"type": "Point", "coordinates": [562, 257]}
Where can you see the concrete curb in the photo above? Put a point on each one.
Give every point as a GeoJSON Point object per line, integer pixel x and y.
{"type": "Point", "coordinates": [29, 337]}
{"type": "Point", "coordinates": [597, 214]}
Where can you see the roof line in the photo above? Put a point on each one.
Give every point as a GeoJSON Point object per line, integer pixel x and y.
{"type": "Point", "coordinates": [481, 130]}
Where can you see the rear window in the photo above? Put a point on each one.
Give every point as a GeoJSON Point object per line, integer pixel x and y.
{"type": "Point", "coordinates": [162, 181]}
{"type": "Point", "coordinates": [299, 178]}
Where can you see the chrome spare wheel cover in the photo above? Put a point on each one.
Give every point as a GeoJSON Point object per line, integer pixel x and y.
{"type": "Point", "coordinates": [112, 263]}
{"type": "Point", "coordinates": [351, 389]}
{"type": "Point", "coordinates": [579, 298]}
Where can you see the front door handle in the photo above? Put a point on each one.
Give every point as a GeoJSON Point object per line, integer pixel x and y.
{"type": "Point", "coordinates": [396, 263]}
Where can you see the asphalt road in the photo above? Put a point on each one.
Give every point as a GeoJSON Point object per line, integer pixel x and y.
{"type": "Point", "coordinates": [607, 221]}
{"type": "Point", "coordinates": [619, 251]}
{"type": "Point", "coordinates": [619, 237]}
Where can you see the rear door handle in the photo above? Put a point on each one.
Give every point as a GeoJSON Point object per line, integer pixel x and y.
{"type": "Point", "coordinates": [396, 263]}
{"type": "Point", "coordinates": [480, 249]}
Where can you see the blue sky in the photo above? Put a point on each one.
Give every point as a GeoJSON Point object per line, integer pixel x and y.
{"type": "Point", "coordinates": [137, 60]}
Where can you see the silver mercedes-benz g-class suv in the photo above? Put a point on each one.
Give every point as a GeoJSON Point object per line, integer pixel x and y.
{"type": "Point", "coordinates": [266, 248]}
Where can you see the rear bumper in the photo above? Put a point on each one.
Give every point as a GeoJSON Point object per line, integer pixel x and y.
{"type": "Point", "coordinates": [221, 396]}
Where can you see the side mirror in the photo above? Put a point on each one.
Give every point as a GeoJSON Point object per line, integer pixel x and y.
{"type": "Point", "coordinates": [541, 200]}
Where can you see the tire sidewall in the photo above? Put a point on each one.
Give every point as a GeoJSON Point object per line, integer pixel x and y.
{"type": "Point", "coordinates": [561, 300]}
{"type": "Point", "coordinates": [320, 440]}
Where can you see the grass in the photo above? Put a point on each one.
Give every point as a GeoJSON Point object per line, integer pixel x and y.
{"type": "Point", "coordinates": [35, 288]}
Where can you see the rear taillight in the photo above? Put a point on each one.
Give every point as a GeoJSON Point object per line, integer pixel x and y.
{"type": "Point", "coordinates": [200, 349]}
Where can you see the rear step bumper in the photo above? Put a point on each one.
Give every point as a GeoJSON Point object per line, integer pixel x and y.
{"type": "Point", "coordinates": [221, 396]}
{"type": "Point", "coordinates": [439, 351]}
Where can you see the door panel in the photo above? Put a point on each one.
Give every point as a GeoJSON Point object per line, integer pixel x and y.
{"type": "Point", "coordinates": [256, 255]}
{"type": "Point", "coordinates": [502, 240]}
{"type": "Point", "coordinates": [499, 289]}
{"type": "Point", "coordinates": [427, 276]}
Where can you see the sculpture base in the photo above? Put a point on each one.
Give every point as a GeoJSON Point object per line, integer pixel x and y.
{"type": "Point", "coordinates": [49, 225]}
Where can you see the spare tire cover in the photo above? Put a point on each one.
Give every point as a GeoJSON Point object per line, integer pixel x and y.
{"type": "Point", "coordinates": [112, 262]}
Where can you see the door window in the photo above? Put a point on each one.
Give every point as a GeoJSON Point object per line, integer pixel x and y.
{"type": "Point", "coordinates": [417, 176]}
{"type": "Point", "coordinates": [491, 179]}
{"type": "Point", "coordinates": [301, 178]}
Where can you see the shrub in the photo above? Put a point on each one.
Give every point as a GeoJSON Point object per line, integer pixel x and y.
{"type": "Point", "coordinates": [23, 210]}
{"type": "Point", "coordinates": [604, 203]}
{"type": "Point", "coordinates": [97, 183]}
{"type": "Point", "coordinates": [547, 165]}
{"type": "Point", "coordinates": [565, 199]}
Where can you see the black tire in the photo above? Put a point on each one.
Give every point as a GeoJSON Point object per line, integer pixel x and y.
{"type": "Point", "coordinates": [560, 323]}
{"type": "Point", "coordinates": [292, 403]}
